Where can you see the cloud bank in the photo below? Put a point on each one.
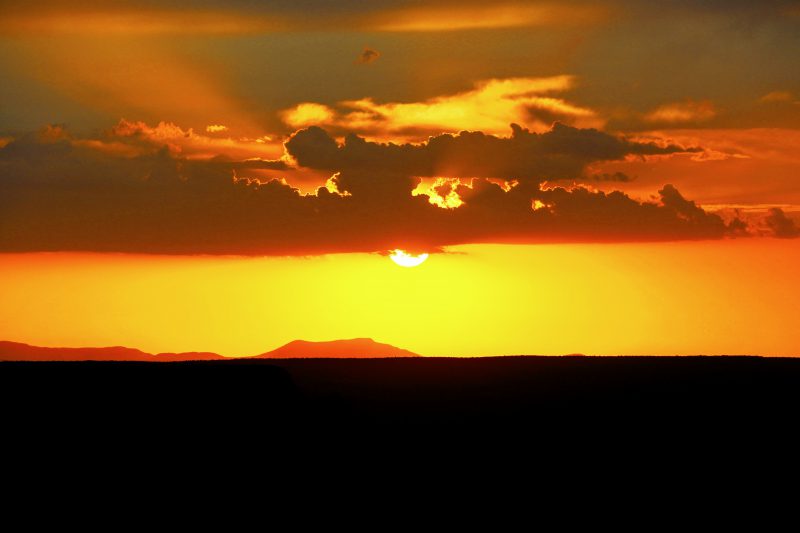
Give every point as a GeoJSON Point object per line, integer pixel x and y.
{"type": "Point", "coordinates": [61, 193]}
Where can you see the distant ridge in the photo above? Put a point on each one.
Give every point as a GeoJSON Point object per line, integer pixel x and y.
{"type": "Point", "coordinates": [17, 351]}
{"type": "Point", "coordinates": [340, 349]}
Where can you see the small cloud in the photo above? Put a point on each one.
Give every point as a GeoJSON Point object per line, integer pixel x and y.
{"type": "Point", "coordinates": [615, 176]}
{"type": "Point", "coordinates": [428, 17]}
{"type": "Point", "coordinates": [780, 225]}
{"type": "Point", "coordinates": [776, 97]}
{"type": "Point", "coordinates": [216, 128]}
{"type": "Point", "coordinates": [307, 114]}
{"type": "Point", "coordinates": [689, 111]}
{"type": "Point", "coordinates": [708, 154]}
{"type": "Point", "coordinates": [53, 133]}
{"type": "Point", "coordinates": [738, 227]}
{"type": "Point", "coordinates": [368, 56]}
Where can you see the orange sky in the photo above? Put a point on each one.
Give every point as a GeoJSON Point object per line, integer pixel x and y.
{"type": "Point", "coordinates": [718, 297]}
{"type": "Point", "coordinates": [230, 176]}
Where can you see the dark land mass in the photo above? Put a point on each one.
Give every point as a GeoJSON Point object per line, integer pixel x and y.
{"type": "Point", "coordinates": [345, 348]}
{"type": "Point", "coordinates": [17, 351]}
{"type": "Point", "coordinates": [340, 349]}
{"type": "Point", "coordinates": [545, 397]}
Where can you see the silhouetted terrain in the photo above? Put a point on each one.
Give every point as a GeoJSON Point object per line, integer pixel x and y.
{"type": "Point", "coordinates": [346, 348]}
{"type": "Point", "coordinates": [544, 396]}
{"type": "Point", "coordinates": [17, 351]}
{"type": "Point", "coordinates": [349, 348]}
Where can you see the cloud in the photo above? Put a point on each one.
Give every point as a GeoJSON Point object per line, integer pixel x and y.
{"type": "Point", "coordinates": [735, 166]}
{"type": "Point", "coordinates": [62, 193]}
{"type": "Point", "coordinates": [140, 137]}
{"type": "Point", "coordinates": [620, 177]}
{"type": "Point", "coordinates": [490, 106]}
{"type": "Point", "coordinates": [559, 153]}
{"type": "Point", "coordinates": [776, 97]}
{"type": "Point", "coordinates": [682, 112]}
{"type": "Point", "coordinates": [780, 225]}
{"type": "Point", "coordinates": [368, 56]}
{"type": "Point", "coordinates": [308, 114]}
{"type": "Point", "coordinates": [502, 14]}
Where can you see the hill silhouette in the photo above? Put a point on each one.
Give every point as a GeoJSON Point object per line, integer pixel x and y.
{"type": "Point", "coordinates": [338, 349]}
{"type": "Point", "coordinates": [17, 351]}
{"type": "Point", "coordinates": [362, 348]}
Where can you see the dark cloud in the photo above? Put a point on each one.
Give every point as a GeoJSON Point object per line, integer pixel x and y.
{"type": "Point", "coordinates": [368, 56]}
{"type": "Point", "coordinates": [561, 153]}
{"type": "Point", "coordinates": [780, 225]}
{"type": "Point", "coordinates": [620, 177]}
{"type": "Point", "coordinates": [59, 194]}
{"type": "Point", "coordinates": [738, 227]}
{"type": "Point", "coordinates": [260, 164]}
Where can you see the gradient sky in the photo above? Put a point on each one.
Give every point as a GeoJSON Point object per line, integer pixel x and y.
{"type": "Point", "coordinates": [605, 177]}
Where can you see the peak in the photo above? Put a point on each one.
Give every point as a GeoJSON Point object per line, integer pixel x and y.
{"type": "Point", "coordinates": [354, 340]}
{"type": "Point", "coordinates": [360, 347]}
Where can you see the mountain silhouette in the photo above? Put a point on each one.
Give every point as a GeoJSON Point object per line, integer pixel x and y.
{"type": "Point", "coordinates": [350, 348]}
{"type": "Point", "coordinates": [17, 351]}
{"type": "Point", "coordinates": [339, 349]}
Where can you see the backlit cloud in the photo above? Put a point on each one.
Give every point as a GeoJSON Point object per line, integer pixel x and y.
{"type": "Point", "coordinates": [777, 96]}
{"type": "Point", "coordinates": [488, 15]}
{"type": "Point", "coordinates": [308, 114]}
{"type": "Point", "coordinates": [62, 193]}
{"type": "Point", "coordinates": [190, 144]}
{"type": "Point", "coordinates": [682, 112]}
{"type": "Point", "coordinates": [489, 107]}
{"type": "Point", "coordinates": [735, 166]}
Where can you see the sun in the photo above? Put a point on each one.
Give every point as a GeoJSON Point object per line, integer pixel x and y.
{"type": "Point", "coordinates": [405, 259]}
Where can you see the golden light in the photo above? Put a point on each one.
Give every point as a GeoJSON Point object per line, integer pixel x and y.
{"type": "Point", "coordinates": [405, 259]}
{"type": "Point", "coordinates": [308, 114]}
{"type": "Point", "coordinates": [80, 299]}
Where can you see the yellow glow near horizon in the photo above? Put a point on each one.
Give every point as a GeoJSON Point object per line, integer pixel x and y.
{"type": "Point", "coordinates": [405, 259]}
{"type": "Point", "coordinates": [710, 297]}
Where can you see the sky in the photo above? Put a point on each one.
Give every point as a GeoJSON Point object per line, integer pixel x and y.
{"type": "Point", "coordinates": [607, 177]}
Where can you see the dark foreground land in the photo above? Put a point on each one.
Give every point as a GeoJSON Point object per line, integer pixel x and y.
{"type": "Point", "coordinates": [526, 395]}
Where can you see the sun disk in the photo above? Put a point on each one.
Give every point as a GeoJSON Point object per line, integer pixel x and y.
{"type": "Point", "coordinates": [405, 259]}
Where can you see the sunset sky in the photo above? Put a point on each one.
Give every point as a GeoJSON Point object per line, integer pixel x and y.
{"type": "Point", "coordinates": [606, 177]}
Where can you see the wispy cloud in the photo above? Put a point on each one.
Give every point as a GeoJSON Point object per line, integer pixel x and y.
{"type": "Point", "coordinates": [682, 112]}
{"type": "Point", "coordinates": [489, 15]}
{"type": "Point", "coordinates": [489, 107]}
